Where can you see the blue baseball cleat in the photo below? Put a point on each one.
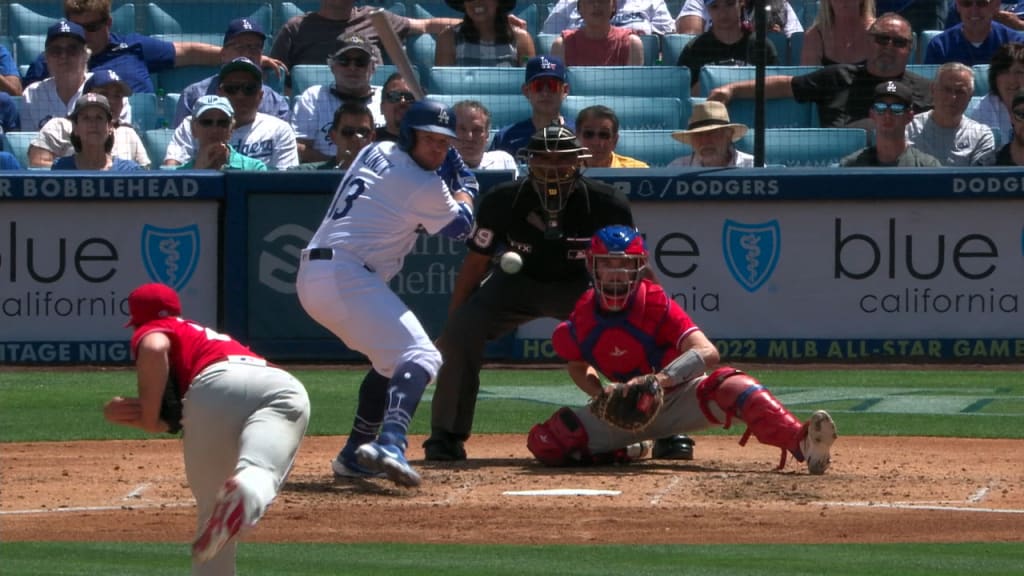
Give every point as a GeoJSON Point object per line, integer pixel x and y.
{"type": "Point", "coordinates": [388, 459]}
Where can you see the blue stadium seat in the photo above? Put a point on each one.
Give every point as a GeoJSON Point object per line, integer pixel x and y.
{"type": "Point", "coordinates": [505, 109]}
{"type": "Point", "coordinates": [306, 75]}
{"type": "Point", "coordinates": [921, 46]}
{"type": "Point", "coordinates": [926, 70]}
{"type": "Point", "coordinates": [714, 76]}
{"type": "Point", "coordinates": [628, 80]}
{"type": "Point", "coordinates": [543, 43]}
{"type": "Point", "coordinates": [27, 47]}
{"type": "Point", "coordinates": [156, 144]}
{"type": "Point", "coordinates": [149, 112]}
{"type": "Point", "coordinates": [796, 48]}
{"type": "Point", "coordinates": [981, 86]}
{"type": "Point", "coordinates": [806, 11]}
{"type": "Point", "coordinates": [656, 147]}
{"type": "Point", "coordinates": [634, 112]}
{"type": "Point", "coordinates": [781, 43]}
{"type": "Point", "coordinates": [806, 147]}
{"type": "Point", "coordinates": [177, 79]}
{"type": "Point", "coordinates": [171, 17]}
{"type": "Point", "coordinates": [36, 17]}
{"type": "Point", "coordinates": [475, 80]}
{"type": "Point", "coordinates": [18, 145]}
{"type": "Point", "coordinates": [420, 49]}
{"type": "Point", "coordinates": [652, 48]}
{"type": "Point", "coordinates": [672, 46]}
{"type": "Point", "coordinates": [779, 112]}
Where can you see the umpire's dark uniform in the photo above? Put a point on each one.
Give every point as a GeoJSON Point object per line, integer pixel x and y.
{"type": "Point", "coordinates": [553, 277]}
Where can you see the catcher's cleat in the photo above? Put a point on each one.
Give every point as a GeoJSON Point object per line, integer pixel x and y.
{"type": "Point", "coordinates": [229, 516]}
{"type": "Point", "coordinates": [345, 468]}
{"type": "Point", "coordinates": [678, 447]}
{"type": "Point", "coordinates": [441, 447]}
{"type": "Point", "coordinates": [390, 460]}
{"type": "Point", "coordinates": [819, 434]}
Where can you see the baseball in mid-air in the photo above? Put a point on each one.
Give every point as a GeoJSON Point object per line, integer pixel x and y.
{"type": "Point", "coordinates": [511, 262]}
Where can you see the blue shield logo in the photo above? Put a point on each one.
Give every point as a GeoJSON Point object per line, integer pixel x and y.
{"type": "Point", "coordinates": [751, 251]}
{"type": "Point", "coordinates": [170, 254]}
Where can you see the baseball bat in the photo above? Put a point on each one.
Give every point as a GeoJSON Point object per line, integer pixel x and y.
{"type": "Point", "coordinates": [393, 46]}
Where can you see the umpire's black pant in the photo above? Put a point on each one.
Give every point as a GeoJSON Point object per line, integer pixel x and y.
{"type": "Point", "coordinates": [501, 303]}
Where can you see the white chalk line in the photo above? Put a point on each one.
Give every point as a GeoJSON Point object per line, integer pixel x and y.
{"type": "Point", "coordinates": [664, 491]}
{"type": "Point", "coordinates": [96, 508]}
{"type": "Point", "coordinates": [919, 506]}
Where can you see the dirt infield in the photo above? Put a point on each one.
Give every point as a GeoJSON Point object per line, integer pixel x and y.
{"type": "Point", "coordinates": [878, 490]}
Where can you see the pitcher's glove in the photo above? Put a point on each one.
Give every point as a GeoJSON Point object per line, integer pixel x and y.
{"type": "Point", "coordinates": [630, 406]}
{"type": "Point", "coordinates": [170, 405]}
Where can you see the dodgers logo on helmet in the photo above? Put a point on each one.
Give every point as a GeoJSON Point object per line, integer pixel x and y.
{"type": "Point", "coordinates": [751, 251]}
{"type": "Point", "coordinates": [170, 255]}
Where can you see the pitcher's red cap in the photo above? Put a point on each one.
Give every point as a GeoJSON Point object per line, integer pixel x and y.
{"type": "Point", "coordinates": [152, 301]}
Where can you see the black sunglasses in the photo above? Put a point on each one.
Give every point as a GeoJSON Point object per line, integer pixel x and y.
{"type": "Point", "coordinates": [357, 62]}
{"type": "Point", "coordinates": [210, 122]}
{"type": "Point", "coordinates": [602, 135]}
{"type": "Point", "coordinates": [883, 40]}
{"type": "Point", "coordinates": [349, 132]}
{"type": "Point", "coordinates": [247, 89]}
{"type": "Point", "coordinates": [396, 96]}
{"type": "Point", "coordinates": [1019, 114]}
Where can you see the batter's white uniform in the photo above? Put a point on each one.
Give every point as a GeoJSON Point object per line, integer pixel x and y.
{"type": "Point", "coordinates": [40, 102]}
{"type": "Point", "coordinates": [313, 115]}
{"type": "Point", "coordinates": [381, 206]}
{"type": "Point", "coordinates": [267, 138]}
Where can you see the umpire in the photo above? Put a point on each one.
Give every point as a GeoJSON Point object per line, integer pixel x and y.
{"type": "Point", "coordinates": [548, 218]}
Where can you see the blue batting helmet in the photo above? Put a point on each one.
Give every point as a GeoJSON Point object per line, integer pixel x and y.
{"type": "Point", "coordinates": [428, 116]}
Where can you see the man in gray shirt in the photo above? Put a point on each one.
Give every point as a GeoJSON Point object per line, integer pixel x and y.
{"type": "Point", "coordinates": [944, 131]}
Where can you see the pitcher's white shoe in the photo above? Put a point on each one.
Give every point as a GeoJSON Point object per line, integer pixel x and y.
{"type": "Point", "coordinates": [819, 434]}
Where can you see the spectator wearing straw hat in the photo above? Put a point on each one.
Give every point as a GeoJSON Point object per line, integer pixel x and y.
{"type": "Point", "coordinates": [713, 137]}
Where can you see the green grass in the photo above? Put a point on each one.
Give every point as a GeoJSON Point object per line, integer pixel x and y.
{"type": "Point", "coordinates": [66, 406]}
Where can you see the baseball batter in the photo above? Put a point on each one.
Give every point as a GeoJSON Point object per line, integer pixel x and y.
{"type": "Point", "coordinates": [390, 194]}
{"type": "Point", "coordinates": [626, 327]}
{"type": "Point", "coordinates": [243, 419]}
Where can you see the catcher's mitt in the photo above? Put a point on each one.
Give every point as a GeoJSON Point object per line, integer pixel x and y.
{"type": "Point", "coordinates": [170, 405]}
{"type": "Point", "coordinates": [631, 406]}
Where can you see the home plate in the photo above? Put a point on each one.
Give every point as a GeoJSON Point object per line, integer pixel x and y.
{"type": "Point", "coordinates": [563, 492]}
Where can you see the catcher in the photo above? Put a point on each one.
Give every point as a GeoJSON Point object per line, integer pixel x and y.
{"type": "Point", "coordinates": [628, 330]}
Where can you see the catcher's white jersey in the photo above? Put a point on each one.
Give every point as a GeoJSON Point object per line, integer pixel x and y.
{"type": "Point", "coordinates": [267, 138]}
{"type": "Point", "coordinates": [313, 115]}
{"type": "Point", "coordinates": [381, 206]}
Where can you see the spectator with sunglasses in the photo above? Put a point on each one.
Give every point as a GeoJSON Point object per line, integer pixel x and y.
{"type": "Point", "coordinates": [133, 56]}
{"type": "Point", "coordinates": [598, 130]}
{"type": "Point", "coordinates": [1013, 153]}
{"type": "Point", "coordinates": [351, 131]}
{"type": "Point", "coordinates": [395, 101]}
{"type": "Point", "coordinates": [891, 111]}
{"type": "Point", "coordinates": [257, 135]}
{"type": "Point", "coordinates": [472, 131]}
{"type": "Point", "coordinates": [545, 88]}
{"type": "Point", "coordinates": [211, 127]}
{"type": "Point", "coordinates": [844, 93]}
{"type": "Point", "coordinates": [244, 38]}
{"type": "Point", "coordinates": [352, 64]}
{"type": "Point", "coordinates": [975, 39]}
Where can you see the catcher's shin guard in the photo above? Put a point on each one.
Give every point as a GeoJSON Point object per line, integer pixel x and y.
{"type": "Point", "coordinates": [560, 441]}
{"type": "Point", "coordinates": [740, 395]}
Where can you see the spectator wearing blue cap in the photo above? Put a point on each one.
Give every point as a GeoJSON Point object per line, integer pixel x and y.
{"type": "Point", "coordinates": [54, 139]}
{"type": "Point", "coordinates": [258, 135]}
{"type": "Point", "coordinates": [133, 56]}
{"type": "Point", "coordinates": [244, 38]}
{"type": "Point", "coordinates": [212, 123]}
{"type": "Point", "coordinates": [92, 135]}
{"type": "Point", "coordinates": [546, 88]}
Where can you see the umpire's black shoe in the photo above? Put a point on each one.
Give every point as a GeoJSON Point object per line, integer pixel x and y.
{"type": "Point", "coordinates": [678, 447]}
{"type": "Point", "coordinates": [443, 447]}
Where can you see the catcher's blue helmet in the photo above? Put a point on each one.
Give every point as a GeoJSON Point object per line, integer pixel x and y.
{"type": "Point", "coordinates": [616, 261]}
{"type": "Point", "coordinates": [426, 115]}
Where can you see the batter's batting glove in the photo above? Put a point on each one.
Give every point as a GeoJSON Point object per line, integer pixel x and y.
{"type": "Point", "coordinates": [457, 176]}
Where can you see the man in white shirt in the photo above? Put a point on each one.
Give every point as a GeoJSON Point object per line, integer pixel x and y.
{"type": "Point", "coordinates": [712, 137]}
{"type": "Point", "coordinates": [944, 131]}
{"type": "Point", "coordinates": [257, 135]}
{"type": "Point", "coordinates": [352, 64]}
{"type": "Point", "coordinates": [473, 130]}
{"type": "Point", "coordinates": [643, 16]}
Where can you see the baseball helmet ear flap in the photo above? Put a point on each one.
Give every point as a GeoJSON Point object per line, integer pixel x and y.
{"type": "Point", "coordinates": [428, 116]}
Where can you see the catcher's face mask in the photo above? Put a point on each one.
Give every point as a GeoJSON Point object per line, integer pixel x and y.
{"type": "Point", "coordinates": [616, 277]}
